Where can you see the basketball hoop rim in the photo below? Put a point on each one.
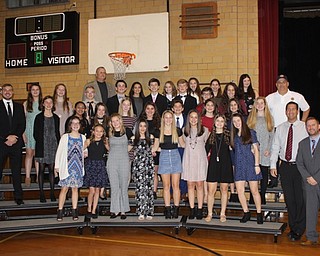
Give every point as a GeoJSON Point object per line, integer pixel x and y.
{"type": "Point", "coordinates": [121, 55]}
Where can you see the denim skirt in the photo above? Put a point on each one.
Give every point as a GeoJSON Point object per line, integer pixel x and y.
{"type": "Point", "coordinates": [170, 161]}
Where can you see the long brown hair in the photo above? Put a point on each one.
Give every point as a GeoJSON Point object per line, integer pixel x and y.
{"type": "Point", "coordinates": [29, 106]}
{"type": "Point", "coordinates": [212, 138]}
{"type": "Point", "coordinates": [187, 128]}
{"type": "Point", "coordinates": [245, 131]}
{"type": "Point", "coordinates": [65, 97]}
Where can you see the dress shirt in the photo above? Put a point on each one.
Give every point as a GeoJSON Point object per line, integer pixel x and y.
{"type": "Point", "coordinates": [6, 105]}
{"type": "Point", "coordinates": [181, 120]}
{"type": "Point", "coordinates": [183, 97]}
{"type": "Point", "coordinates": [277, 105]}
{"type": "Point", "coordinates": [154, 97]}
{"type": "Point", "coordinates": [279, 145]}
{"type": "Point", "coordinates": [316, 139]}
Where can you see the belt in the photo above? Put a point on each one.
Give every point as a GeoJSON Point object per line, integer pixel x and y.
{"type": "Point", "coordinates": [288, 163]}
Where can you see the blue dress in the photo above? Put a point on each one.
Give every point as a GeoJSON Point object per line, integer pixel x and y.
{"type": "Point", "coordinates": [244, 163]}
{"type": "Point", "coordinates": [75, 163]}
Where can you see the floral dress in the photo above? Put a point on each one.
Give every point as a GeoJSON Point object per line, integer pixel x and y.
{"type": "Point", "coordinates": [143, 174]}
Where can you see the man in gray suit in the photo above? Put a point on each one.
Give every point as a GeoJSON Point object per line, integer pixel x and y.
{"type": "Point", "coordinates": [102, 89]}
{"type": "Point", "coordinates": [308, 163]}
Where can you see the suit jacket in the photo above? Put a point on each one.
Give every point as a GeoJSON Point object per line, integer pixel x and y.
{"type": "Point", "coordinates": [113, 105]}
{"type": "Point", "coordinates": [18, 122]}
{"type": "Point", "coordinates": [308, 165]}
{"type": "Point", "coordinates": [111, 91]}
{"type": "Point", "coordinates": [161, 102]}
{"type": "Point", "coordinates": [189, 103]}
{"type": "Point", "coordinates": [38, 132]}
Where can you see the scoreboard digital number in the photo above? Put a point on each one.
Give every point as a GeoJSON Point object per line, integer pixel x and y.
{"type": "Point", "coordinates": [42, 40]}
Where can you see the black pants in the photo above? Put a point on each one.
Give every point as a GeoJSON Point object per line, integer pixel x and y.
{"type": "Point", "coordinates": [15, 155]}
{"type": "Point", "coordinates": [292, 185]}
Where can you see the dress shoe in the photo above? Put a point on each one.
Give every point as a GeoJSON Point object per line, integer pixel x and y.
{"type": "Point", "coordinates": [290, 234]}
{"type": "Point", "coordinates": [155, 197]}
{"type": "Point", "coordinates": [123, 216]}
{"type": "Point", "coordinates": [53, 198]}
{"type": "Point", "coordinates": [208, 218]}
{"type": "Point", "coordinates": [19, 201]}
{"type": "Point", "coordinates": [89, 214]}
{"type": "Point", "coordinates": [199, 214]}
{"type": "Point", "coordinates": [309, 243]}
{"type": "Point", "coordinates": [113, 215]}
{"type": "Point", "coordinates": [94, 215]}
{"type": "Point", "coordinates": [27, 181]}
{"type": "Point", "coordinates": [259, 218]}
{"type": "Point", "coordinates": [295, 237]}
{"type": "Point", "coordinates": [192, 213]}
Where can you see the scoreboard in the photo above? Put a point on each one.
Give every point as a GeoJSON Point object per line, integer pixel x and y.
{"type": "Point", "coordinates": [42, 40]}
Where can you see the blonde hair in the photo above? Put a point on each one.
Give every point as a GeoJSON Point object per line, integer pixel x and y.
{"type": "Point", "coordinates": [174, 132]}
{"type": "Point", "coordinates": [112, 130]}
{"type": "Point", "coordinates": [130, 112]}
{"type": "Point", "coordinates": [252, 118]}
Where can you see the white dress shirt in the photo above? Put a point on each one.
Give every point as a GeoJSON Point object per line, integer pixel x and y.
{"type": "Point", "coordinates": [6, 104]}
{"type": "Point", "coordinates": [279, 144]}
{"type": "Point", "coordinates": [181, 120]}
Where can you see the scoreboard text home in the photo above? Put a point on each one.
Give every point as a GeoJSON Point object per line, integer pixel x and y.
{"type": "Point", "coordinates": [42, 40]}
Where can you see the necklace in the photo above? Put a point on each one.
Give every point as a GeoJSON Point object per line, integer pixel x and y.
{"type": "Point", "coordinates": [218, 147]}
{"type": "Point", "coordinates": [193, 141]}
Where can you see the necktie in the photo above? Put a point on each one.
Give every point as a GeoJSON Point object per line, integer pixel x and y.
{"type": "Point", "coordinates": [10, 114]}
{"type": "Point", "coordinates": [313, 146]}
{"type": "Point", "coordinates": [288, 155]}
{"type": "Point", "coordinates": [178, 122]}
{"type": "Point", "coordinates": [90, 109]}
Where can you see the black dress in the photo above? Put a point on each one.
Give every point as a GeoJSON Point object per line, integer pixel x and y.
{"type": "Point", "coordinates": [219, 171]}
{"type": "Point", "coordinates": [95, 165]}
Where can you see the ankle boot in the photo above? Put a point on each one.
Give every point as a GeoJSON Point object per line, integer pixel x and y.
{"type": "Point", "coordinates": [75, 214]}
{"type": "Point", "coordinates": [192, 213]}
{"type": "Point", "coordinates": [42, 198]}
{"type": "Point", "coordinates": [246, 217]}
{"type": "Point", "coordinates": [199, 214]}
{"type": "Point", "coordinates": [59, 214]}
{"type": "Point", "coordinates": [259, 218]}
{"type": "Point", "coordinates": [52, 197]}
{"type": "Point", "coordinates": [167, 212]}
{"type": "Point", "coordinates": [175, 213]}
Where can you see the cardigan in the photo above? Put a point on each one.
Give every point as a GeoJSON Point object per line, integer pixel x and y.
{"type": "Point", "coordinates": [61, 162]}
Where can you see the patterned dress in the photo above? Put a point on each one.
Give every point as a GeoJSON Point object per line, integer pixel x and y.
{"type": "Point", "coordinates": [143, 175]}
{"type": "Point", "coordinates": [30, 117]}
{"type": "Point", "coordinates": [95, 165]}
{"type": "Point", "coordinates": [75, 163]}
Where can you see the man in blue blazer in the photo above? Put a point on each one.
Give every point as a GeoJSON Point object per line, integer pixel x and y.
{"type": "Point", "coordinates": [12, 126]}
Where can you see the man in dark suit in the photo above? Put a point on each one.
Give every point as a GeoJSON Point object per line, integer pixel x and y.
{"type": "Point", "coordinates": [308, 162]}
{"type": "Point", "coordinates": [12, 126]}
{"type": "Point", "coordinates": [155, 96]}
{"type": "Point", "coordinates": [189, 102]}
{"type": "Point", "coordinates": [114, 102]}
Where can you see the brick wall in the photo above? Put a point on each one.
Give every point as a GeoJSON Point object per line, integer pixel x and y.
{"type": "Point", "coordinates": [233, 52]}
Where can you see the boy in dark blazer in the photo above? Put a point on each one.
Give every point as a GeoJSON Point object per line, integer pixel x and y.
{"type": "Point", "coordinates": [114, 102]}
{"type": "Point", "coordinates": [189, 102]}
{"type": "Point", "coordinates": [12, 126]}
{"type": "Point", "coordinates": [155, 96]}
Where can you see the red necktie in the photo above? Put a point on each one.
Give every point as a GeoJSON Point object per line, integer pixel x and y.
{"type": "Point", "coordinates": [289, 144]}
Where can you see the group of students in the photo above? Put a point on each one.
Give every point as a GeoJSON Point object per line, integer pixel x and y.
{"type": "Point", "coordinates": [203, 137]}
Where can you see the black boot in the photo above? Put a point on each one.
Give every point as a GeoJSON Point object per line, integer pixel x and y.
{"type": "Point", "coordinates": [175, 213]}
{"type": "Point", "coordinates": [42, 197]}
{"type": "Point", "coordinates": [75, 214]}
{"type": "Point", "coordinates": [59, 215]}
{"type": "Point", "coordinates": [199, 214]}
{"type": "Point", "coordinates": [192, 213]}
{"type": "Point", "coordinates": [167, 212]}
{"type": "Point", "coordinates": [246, 217]}
{"type": "Point", "coordinates": [259, 218]}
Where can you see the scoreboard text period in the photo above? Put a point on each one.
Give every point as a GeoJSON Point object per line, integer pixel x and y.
{"type": "Point", "coordinates": [42, 40]}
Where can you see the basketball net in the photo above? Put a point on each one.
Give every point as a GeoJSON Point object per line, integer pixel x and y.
{"type": "Point", "coordinates": [121, 61]}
